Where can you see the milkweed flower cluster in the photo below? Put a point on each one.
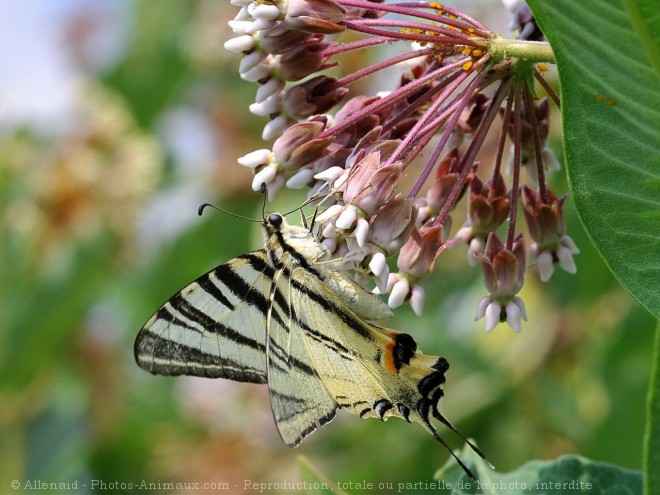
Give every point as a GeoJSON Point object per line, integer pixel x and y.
{"type": "Point", "coordinates": [352, 151]}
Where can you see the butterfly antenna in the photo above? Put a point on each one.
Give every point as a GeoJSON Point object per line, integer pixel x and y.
{"type": "Point", "coordinates": [263, 189]}
{"type": "Point", "coordinates": [448, 424]}
{"type": "Point", "coordinates": [203, 206]}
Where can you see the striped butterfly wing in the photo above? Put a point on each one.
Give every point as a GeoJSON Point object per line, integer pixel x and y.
{"type": "Point", "coordinates": [215, 327]}
{"type": "Point", "coordinates": [298, 398]}
{"type": "Point", "coordinates": [371, 371]}
{"type": "Point", "coordinates": [278, 316]}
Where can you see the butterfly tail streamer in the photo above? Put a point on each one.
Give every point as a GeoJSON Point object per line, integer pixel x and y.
{"type": "Point", "coordinates": [448, 424]}
{"type": "Point", "coordinates": [431, 429]}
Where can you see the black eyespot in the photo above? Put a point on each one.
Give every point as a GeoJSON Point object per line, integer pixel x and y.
{"type": "Point", "coordinates": [275, 219]}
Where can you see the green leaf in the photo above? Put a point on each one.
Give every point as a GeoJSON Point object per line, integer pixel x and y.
{"type": "Point", "coordinates": [608, 58]}
{"type": "Point", "coordinates": [315, 482]}
{"type": "Point", "coordinates": [652, 437]}
{"type": "Point", "coordinates": [570, 474]}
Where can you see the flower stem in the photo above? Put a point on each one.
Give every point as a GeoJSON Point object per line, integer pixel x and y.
{"type": "Point", "coordinates": [531, 51]}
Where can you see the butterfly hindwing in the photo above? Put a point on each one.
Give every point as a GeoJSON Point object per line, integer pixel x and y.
{"type": "Point", "coordinates": [215, 327]}
{"type": "Point", "coordinates": [369, 370]}
{"type": "Point", "coordinates": [299, 401]}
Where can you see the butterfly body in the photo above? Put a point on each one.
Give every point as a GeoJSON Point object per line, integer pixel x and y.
{"type": "Point", "coordinates": [285, 317]}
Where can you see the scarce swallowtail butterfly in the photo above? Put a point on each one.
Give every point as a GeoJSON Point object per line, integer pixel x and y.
{"type": "Point", "coordinates": [285, 317]}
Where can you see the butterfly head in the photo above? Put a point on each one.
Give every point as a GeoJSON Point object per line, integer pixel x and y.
{"type": "Point", "coordinates": [274, 220]}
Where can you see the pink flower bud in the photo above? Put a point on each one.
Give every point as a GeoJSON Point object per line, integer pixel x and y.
{"type": "Point", "coordinates": [363, 126]}
{"type": "Point", "coordinates": [418, 255]}
{"type": "Point", "coordinates": [504, 269]}
{"type": "Point", "coordinates": [298, 146]}
{"type": "Point", "coordinates": [301, 61]}
{"type": "Point", "coordinates": [392, 224]}
{"type": "Point", "coordinates": [370, 185]}
{"type": "Point", "coordinates": [488, 206]}
{"type": "Point", "coordinates": [314, 16]}
{"type": "Point", "coordinates": [279, 39]}
{"type": "Point", "coordinates": [544, 220]}
{"type": "Point", "coordinates": [445, 178]}
{"type": "Point", "coordinates": [316, 95]}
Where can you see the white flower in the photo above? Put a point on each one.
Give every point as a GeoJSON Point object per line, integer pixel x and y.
{"type": "Point", "coordinates": [514, 312]}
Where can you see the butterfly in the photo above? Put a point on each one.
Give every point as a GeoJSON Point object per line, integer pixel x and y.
{"type": "Point", "coordinates": [285, 317]}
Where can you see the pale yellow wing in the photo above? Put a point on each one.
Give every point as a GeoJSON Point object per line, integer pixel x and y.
{"type": "Point", "coordinates": [215, 327]}
{"type": "Point", "coordinates": [299, 401]}
{"type": "Point", "coordinates": [371, 371]}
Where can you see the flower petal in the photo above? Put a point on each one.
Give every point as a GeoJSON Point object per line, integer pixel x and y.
{"type": "Point", "coordinates": [243, 43]}
{"type": "Point", "coordinates": [521, 305]}
{"type": "Point", "coordinates": [300, 179]}
{"type": "Point", "coordinates": [361, 232]}
{"type": "Point", "coordinates": [513, 316]}
{"type": "Point", "coordinates": [399, 293]}
{"type": "Point", "coordinates": [255, 158]}
{"type": "Point", "coordinates": [265, 176]}
{"type": "Point", "coordinates": [493, 312]}
{"type": "Point", "coordinates": [346, 219]}
{"type": "Point", "coordinates": [417, 297]}
{"type": "Point", "coordinates": [377, 264]}
{"type": "Point", "coordinates": [568, 242]}
{"type": "Point", "coordinates": [566, 259]}
{"type": "Point", "coordinates": [546, 266]}
{"type": "Point", "coordinates": [481, 308]}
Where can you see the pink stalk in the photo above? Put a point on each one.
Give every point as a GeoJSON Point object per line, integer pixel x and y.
{"type": "Point", "coordinates": [447, 33]}
{"type": "Point", "coordinates": [410, 9]}
{"type": "Point", "coordinates": [443, 141]}
{"type": "Point", "coordinates": [547, 87]}
{"type": "Point", "coordinates": [396, 35]}
{"type": "Point", "coordinates": [448, 10]}
{"type": "Point", "coordinates": [354, 45]}
{"type": "Point", "coordinates": [437, 122]}
{"type": "Point", "coordinates": [515, 180]}
{"type": "Point", "coordinates": [390, 99]}
{"type": "Point", "coordinates": [428, 114]}
{"type": "Point", "coordinates": [422, 99]}
{"type": "Point", "coordinates": [538, 153]}
{"type": "Point", "coordinates": [345, 81]}
{"type": "Point", "coordinates": [474, 147]}
{"type": "Point", "coordinates": [500, 145]}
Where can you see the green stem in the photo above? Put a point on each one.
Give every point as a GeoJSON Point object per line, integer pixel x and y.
{"type": "Point", "coordinates": [530, 51]}
{"type": "Point", "coordinates": [652, 435]}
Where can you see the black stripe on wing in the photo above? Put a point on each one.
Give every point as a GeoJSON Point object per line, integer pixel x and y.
{"type": "Point", "coordinates": [237, 285]}
{"type": "Point", "coordinates": [157, 351]}
{"type": "Point", "coordinates": [166, 357]}
{"type": "Point", "coordinates": [194, 314]}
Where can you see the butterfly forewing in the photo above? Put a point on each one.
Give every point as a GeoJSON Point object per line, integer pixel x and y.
{"type": "Point", "coordinates": [215, 327]}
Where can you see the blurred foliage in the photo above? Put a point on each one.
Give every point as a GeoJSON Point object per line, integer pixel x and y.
{"type": "Point", "coordinates": [568, 474]}
{"type": "Point", "coordinates": [81, 272]}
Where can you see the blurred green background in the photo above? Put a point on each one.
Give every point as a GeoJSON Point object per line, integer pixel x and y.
{"type": "Point", "coordinates": [117, 119]}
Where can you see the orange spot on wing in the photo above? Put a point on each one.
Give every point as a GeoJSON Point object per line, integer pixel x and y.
{"type": "Point", "coordinates": [388, 356]}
